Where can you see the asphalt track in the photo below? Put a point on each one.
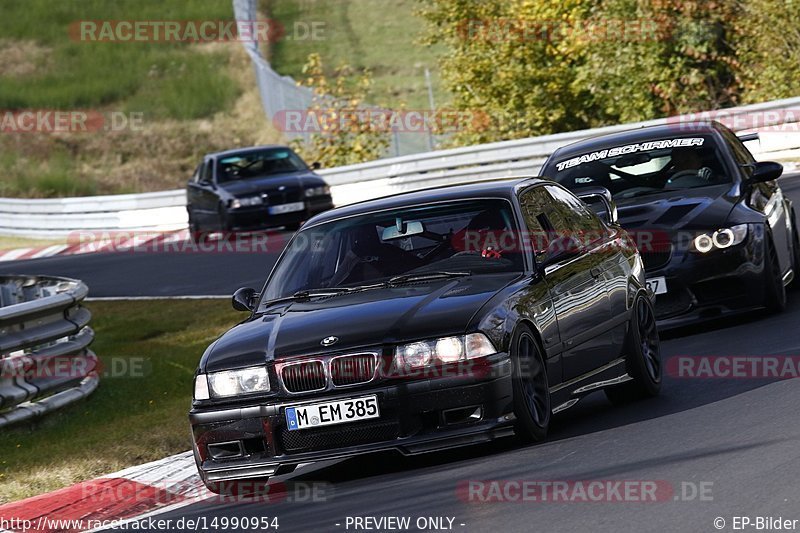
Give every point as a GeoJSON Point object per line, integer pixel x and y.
{"type": "Point", "coordinates": [725, 447]}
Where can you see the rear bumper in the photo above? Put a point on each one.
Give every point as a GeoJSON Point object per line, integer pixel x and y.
{"type": "Point", "coordinates": [416, 417]}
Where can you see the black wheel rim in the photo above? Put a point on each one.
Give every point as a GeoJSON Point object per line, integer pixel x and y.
{"type": "Point", "coordinates": [534, 380]}
{"type": "Point", "coordinates": [648, 339]}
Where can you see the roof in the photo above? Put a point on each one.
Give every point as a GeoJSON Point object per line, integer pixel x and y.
{"type": "Point", "coordinates": [623, 138]}
{"type": "Point", "coordinates": [495, 188]}
{"type": "Point", "coordinates": [244, 150]}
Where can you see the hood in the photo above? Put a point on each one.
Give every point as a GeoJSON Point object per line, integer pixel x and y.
{"type": "Point", "coordinates": [267, 184]}
{"type": "Point", "coordinates": [366, 319]}
{"type": "Point", "coordinates": [703, 208]}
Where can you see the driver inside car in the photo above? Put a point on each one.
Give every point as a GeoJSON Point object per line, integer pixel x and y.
{"type": "Point", "coordinates": [687, 164]}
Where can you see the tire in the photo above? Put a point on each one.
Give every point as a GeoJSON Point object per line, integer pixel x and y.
{"type": "Point", "coordinates": [795, 254]}
{"type": "Point", "coordinates": [530, 387]}
{"type": "Point", "coordinates": [194, 231]}
{"type": "Point", "coordinates": [775, 291]}
{"type": "Point", "coordinates": [643, 359]}
{"type": "Point", "coordinates": [224, 223]}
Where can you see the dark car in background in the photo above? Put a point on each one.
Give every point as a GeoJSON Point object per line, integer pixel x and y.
{"type": "Point", "coordinates": [426, 321]}
{"type": "Point", "coordinates": [254, 188]}
{"type": "Point", "coordinates": [716, 233]}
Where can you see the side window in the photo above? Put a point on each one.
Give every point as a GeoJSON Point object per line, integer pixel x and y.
{"type": "Point", "coordinates": [196, 176]}
{"type": "Point", "coordinates": [570, 216]}
{"type": "Point", "coordinates": [535, 203]}
{"type": "Point", "coordinates": [740, 152]}
{"type": "Point", "coordinates": [205, 173]}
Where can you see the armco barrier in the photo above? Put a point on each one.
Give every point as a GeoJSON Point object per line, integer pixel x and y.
{"type": "Point", "coordinates": [45, 360]}
{"type": "Point", "coordinates": [166, 210]}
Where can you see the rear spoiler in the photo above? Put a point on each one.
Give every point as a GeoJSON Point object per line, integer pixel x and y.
{"type": "Point", "coordinates": [748, 137]}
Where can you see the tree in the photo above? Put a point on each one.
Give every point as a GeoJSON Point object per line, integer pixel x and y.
{"type": "Point", "coordinates": [341, 131]}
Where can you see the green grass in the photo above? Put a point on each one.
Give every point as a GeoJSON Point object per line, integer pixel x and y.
{"type": "Point", "coordinates": [162, 80]}
{"type": "Point", "coordinates": [381, 36]}
{"type": "Point", "coordinates": [129, 419]}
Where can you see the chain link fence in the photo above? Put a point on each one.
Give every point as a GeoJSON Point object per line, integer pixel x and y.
{"type": "Point", "coordinates": [282, 93]}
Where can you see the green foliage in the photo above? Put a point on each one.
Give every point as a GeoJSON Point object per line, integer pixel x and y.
{"type": "Point", "coordinates": [160, 79]}
{"type": "Point", "coordinates": [537, 67]}
{"type": "Point", "coordinates": [341, 136]}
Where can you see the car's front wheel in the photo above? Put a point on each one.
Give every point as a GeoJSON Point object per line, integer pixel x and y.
{"type": "Point", "coordinates": [530, 387]}
{"type": "Point", "coordinates": [642, 358]}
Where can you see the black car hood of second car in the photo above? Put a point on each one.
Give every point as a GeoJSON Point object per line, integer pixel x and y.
{"type": "Point", "coordinates": [256, 185]}
{"type": "Point", "coordinates": [368, 318]}
{"type": "Point", "coordinates": [702, 208]}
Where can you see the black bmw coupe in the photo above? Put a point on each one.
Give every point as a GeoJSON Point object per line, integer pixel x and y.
{"type": "Point", "coordinates": [254, 188]}
{"type": "Point", "coordinates": [426, 321]}
{"type": "Point", "coordinates": [715, 231]}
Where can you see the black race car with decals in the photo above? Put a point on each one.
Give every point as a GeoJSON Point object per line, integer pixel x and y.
{"type": "Point", "coordinates": [715, 231]}
{"type": "Point", "coordinates": [254, 188]}
{"type": "Point", "coordinates": [425, 321]}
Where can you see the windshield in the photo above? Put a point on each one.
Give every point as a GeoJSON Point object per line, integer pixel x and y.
{"type": "Point", "coordinates": [372, 248]}
{"type": "Point", "coordinates": [644, 168]}
{"type": "Point", "coordinates": [257, 164]}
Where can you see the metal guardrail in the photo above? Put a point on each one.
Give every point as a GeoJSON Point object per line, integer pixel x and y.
{"type": "Point", "coordinates": [45, 360]}
{"type": "Point", "coordinates": [166, 210]}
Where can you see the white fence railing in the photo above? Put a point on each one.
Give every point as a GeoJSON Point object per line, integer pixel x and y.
{"type": "Point", "coordinates": [164, 211]}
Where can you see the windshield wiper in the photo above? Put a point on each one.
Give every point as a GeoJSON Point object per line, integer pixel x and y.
{"type": "Point", "coordinates": [308, 293]}
{"type": "Point", "coordinates": [423, 276]}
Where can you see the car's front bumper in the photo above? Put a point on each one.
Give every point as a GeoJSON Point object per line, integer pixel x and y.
{"type": "Point", "coordinates": [417, 416]}
{"type": "Point", "coordinates": [259, 217]}
{"type": "Point", "coordinates": [706, 286]}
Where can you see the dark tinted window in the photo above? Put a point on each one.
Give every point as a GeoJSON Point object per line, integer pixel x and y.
{"type": "Point", "coordinates": [551, 212]}
{"type": "Point", "coordinates": [642, 168]}
{"type": "Point", "coordinates": [476, 236]}
{"type": "Point", "coordinates": [741, 154]}
{"type": "Point", "coordinates": [256, 164]}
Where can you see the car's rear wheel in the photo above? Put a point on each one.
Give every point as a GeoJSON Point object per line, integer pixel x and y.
{"type": "Point", "coordinates": [643, 356]}
{"type": "Point", "coordinates": [775, 290]}
{"type": "Point", "coordinates": [530, 387]}
{"type": "Point", "coordinates": [795, 253]}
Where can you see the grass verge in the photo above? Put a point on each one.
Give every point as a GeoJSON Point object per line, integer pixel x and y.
{"type": "Point", "coordinates": [132, 418]}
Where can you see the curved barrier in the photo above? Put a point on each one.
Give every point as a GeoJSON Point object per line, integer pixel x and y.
{"type": "Point", "coordinates": [777, 121]}
{"type": "Point", "coordinates": [45, 360]}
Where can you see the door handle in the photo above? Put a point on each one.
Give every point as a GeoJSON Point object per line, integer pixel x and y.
{"type": "Point", "coordinates": [595, 272]}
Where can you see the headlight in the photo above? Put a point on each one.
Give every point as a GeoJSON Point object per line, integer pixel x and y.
{"type": "Point", "coordinates": [248, 201]}
{"type": "Point", "coordinates": [720, 239]}
{"type": "Point", "coordinates": [231, 383]}
{"type": "Point", "coordinates": [444, 350]}
{"type": "Point", "coordinates": [318, 191]}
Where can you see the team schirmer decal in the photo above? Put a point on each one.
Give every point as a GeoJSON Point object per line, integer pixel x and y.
{"type": "Point", "coordinates": [629, 149]}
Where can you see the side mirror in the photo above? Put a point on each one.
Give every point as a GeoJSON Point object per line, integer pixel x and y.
{"type": "Point", "coordinates": [244, 299]}
{"type": "Point", "coordinates": [591, 194]}
{"type": "Point", "coordinates": [316, 165]}
{"type": "Point", "coordinates": [561, 249]}
{"type": "Point", "coordinates": [766, 171]}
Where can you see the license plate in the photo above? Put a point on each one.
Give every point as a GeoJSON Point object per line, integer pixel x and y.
{"type": "Point", "coordinates": [286, 208]}
{"type": "Point", "coordinates": [329, 413]}
{"type": "Point", "coordinates": [657, 285]}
